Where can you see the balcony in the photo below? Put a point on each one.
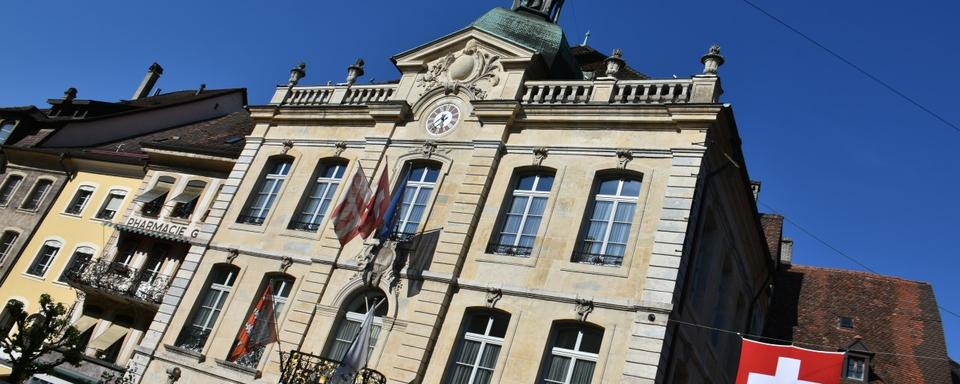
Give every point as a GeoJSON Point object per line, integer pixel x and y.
{"type": "Point", "coordinates": [303, 368]}
{"type": "Point", "coordinates": [143, 288]}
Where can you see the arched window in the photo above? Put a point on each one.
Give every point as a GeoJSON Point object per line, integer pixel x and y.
{"type": "Point", "coordinates": [39, 191]}
{"type": "Point", "coordinates": [280, 287]}
{"type": "Point", "coordinates": [609, 221]}
{"type": "Point", "coordinates": [316, 203]}
{"type": "Point", "coordinates": [352, 317]}
{"type": "Point", "coordinates": [573, 353]}
{"type": "Point", "coordinates": [7, 241]}
{"type": "Point", "coordinates": [219, 285]}
{"type": "Point", "coordinates": [261, 201]}
{"type": "Point", "coordinates": [44, 258]}
{"type": "Point", "coordinates": [475, 359]}
{"type": "Point", "coordinates": [10, 186]}
{"type": "Point", "coordinates": [418, 184]}
{"type": "Point", "coordinates": [81, 258]}
{"type": "Point", "coordinates": [523, 214]}
{"type": "Point", "coordinates": [80, 200]}
{"type": "Point", "coordinates": [186, 201]}
{"type": "Point", "coordinates": [154, 199]}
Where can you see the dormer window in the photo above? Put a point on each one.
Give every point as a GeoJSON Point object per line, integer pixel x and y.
{"type": "Point", "coordinates": [856, 368]}
{"type": "Point", "coordinates": [6, 128]}
{"type": "Point", "coordinates": [846, 322]}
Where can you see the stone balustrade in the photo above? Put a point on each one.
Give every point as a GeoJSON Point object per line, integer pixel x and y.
{"type": "Point", "coordinates": [334, 95]}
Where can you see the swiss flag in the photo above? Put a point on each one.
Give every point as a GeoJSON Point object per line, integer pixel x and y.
{"type": "Point", "coordinates": [762, 363]}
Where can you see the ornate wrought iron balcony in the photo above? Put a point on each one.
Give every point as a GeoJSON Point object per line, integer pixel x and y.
{"type": "Point", "coordinates": [193, 338]}
{"type": "Point", "coordinates": [597, 258]}
{"type": "Point", "coordinates": [507, 249]}
{"type": "Point", "coordinates": [303, 368]}
{"type": "Point", "coordinates": [306, 226]}
{"type": "Point", "coordinates": [120, 280]}
{"type": "Point", "coordinates": [254, 220]}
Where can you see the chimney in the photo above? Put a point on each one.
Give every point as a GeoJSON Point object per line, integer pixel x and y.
{"type": "Point", "coordinates": [755, 188]}
{"type": "Point", "coordinates": [786, 251]}
{"type": "Point", "coordinates": [153, 74]}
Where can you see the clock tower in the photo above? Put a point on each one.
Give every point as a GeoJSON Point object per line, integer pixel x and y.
{"type": "Point", "coordinates": [548, 9]}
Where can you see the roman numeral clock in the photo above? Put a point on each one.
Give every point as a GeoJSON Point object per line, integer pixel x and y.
{"type": "Point", "coordinates": [443, 119]}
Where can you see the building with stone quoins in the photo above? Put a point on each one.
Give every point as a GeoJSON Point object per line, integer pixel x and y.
{"type": "Point", "coordinates": [557, 217]}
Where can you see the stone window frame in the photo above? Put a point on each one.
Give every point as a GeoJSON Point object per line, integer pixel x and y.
{"type": "Point", "coordinates": [184, 181]}
{"type": "Point", "coordinates": [23, 179]}
{"type": "Point", "coordinates": [324, 161]}
{"type": "Point", "coordinates": [647, 179]}
{"type": "Point", "coordinates": [511, 192]}
{"type": "Point", "coordinates": [43, 197]}
{"type": "Point", "coordinates": [343, 315]}
{"type": "Point", "coordinates": [69, 263]}
{"type": "Point", "coordinates": [597, 358]}
{"type": "Point", "coordinates": [503, 342]}
{"type": "Point", "coordinates": [269, 161]}
{"type": "Point", "coordinates": [213, 329]}
{"type": "Point", "coordinates": [62, 243]}
{"type": "Point", "coordinates": [86, 186]}
{"type": "Point", "coordinates": [13, 244]}
{"type": "Point", "coordinates": [279, 318]}
{"type": "Point", "coordinates": [157, 179]}
{"type": "Point", "coordinates": [399, 170]}
{"type": "Point", "coordinates": [106, 199]}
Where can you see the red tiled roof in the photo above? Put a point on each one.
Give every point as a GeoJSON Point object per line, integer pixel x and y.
{"type": "Point", "coordinates": [773, 231]}
{"type": "Point", "coordinates": [898, 320]}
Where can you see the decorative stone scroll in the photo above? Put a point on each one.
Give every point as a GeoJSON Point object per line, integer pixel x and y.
{"type": "Point", "coordinates": [624, 156]}
{"type": "Point", "coordinates": [583, 308]}
{"type": "Point", "coordinates": [340, 146]}
{"type": "Point", "coordinates": [287, 145]}
{"type": "Point", "coordinates": [232, 255]}
{"type": "Point", "coordinates": [469, 69]}
{"type": "Point", "coordinates": [539, 154]}
{"type": "Point", "coordinates": [493, 296]}
{"type": "Point", "coordinates": [285, 263]}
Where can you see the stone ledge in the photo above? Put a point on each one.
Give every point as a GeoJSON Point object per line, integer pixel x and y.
{"type": "Point", "coordinates": [185, 352]}
{"type": "Point", "coordinates": [239, 368]}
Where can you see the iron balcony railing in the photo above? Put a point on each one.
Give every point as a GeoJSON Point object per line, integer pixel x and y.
{"type": "Point", "coordinates": [509, 249]}
{"type": "Point", "coordinates": [597, 258]}
{"type": "Point", "coordinates": [303, 368]}
{"type": "Point", "coordinates": [306, 226]}
{"type": "Point", "coordinates": [254, 220]}
{"type": "Point", "coordinates": [192, 338]}
{"type": "Point", "coordinates": [119, 279]}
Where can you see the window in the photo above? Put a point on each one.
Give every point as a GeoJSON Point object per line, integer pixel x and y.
{"type": "Point", "coordinates": [154, 199]}
{"type": "Point", "coordinates": [111, 205]}
{"type": "Point", "coordinates": [194, 335]}
{"type": "Point", "coordinates": [846, 322]}
{"type": "Point", "coordinates": [43, 260]}
{"type": "Point", "coordinates": [78, 262]}
{"type": "Point", "coordinates": [5, 130]}
{"type": "Point", "coordinates": [856, 368]}
{"type": "Point", "coordinates": [417, 188]}
{"type": "Point", "coordinates": [476, 357]}
{"type": "Point", "coordinates": [260, 203]}
{"type": "Point", "coordinates": [80, 200]}
{"type": "Point", "coordinates": [608, 228]}
{"type": "Point", "coordinates": [523, 216]}
{"type": "Point", "coordinates": [7, 241]}
{"type": "Point", "coordinates": [317, 203]}
{"type": "Point", "coordinates": [9, 187]}
{"type": "Point", "coordinates": [186, 202]}
{"type": "Point", "coordinates": [40, 189]}
{"type": "Point", "coordinates": [280, 287]}
{"type": "Point", "coordinates": [573, 355]}
{"type": "Point", "coordinates": [350, 322]}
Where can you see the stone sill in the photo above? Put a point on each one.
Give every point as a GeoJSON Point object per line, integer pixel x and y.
{"type": "Point", "coordinates": [185, 352]}
{"type": "Point", "coordinates": [239, 368]}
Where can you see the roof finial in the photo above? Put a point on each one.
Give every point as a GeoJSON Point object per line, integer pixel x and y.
{"type": "Point", "coordinates": [354, 71]}
{"type": "Point", "coordinates": [712, 60]}
{"type": "Point", "coordinates": [297, 73]}
{"type": "Point", "coordinates": [586, 38]}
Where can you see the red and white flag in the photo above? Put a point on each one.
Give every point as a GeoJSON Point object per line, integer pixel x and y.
{"type": "Point", "coordinates": [376, 208]}
{"type": "Point", "coordinates": [348, 213]}
{"type": "Point", "coordinates": [261, 327]}
{"type": "Point", "coordinates": [762, 363]}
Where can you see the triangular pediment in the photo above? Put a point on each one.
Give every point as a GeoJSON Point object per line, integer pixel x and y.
{"type": "Point", "coordinates": [418, 58]}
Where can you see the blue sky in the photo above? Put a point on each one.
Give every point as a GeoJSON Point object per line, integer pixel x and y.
{"type": "Point", "coordinates": [837, 153]}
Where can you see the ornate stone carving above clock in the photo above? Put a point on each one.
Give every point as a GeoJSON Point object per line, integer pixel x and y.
{"type": "Point", "coordinates": [470, 69]}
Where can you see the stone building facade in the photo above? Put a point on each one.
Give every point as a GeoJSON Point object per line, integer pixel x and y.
{"type": "Point", "coordinates": [553, 209]}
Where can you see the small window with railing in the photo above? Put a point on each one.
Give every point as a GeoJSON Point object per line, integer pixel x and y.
{"type": "Point", "coordinates": [316, 203]}
{"type": "Point", "coordinates": [609, 220]}
{"type": "Point", "coordinates": [265, 195]}
{"type": "Point", "coordinates": [419, 182]}
{"type": "Point", "coordinates": [524, 210]}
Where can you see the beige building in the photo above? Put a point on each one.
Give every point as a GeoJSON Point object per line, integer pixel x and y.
{"type": "Point", "coordinates": [555, 203]}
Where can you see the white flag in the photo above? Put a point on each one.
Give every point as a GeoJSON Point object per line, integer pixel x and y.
{"type": "Point", "coordinates": [358, 353]}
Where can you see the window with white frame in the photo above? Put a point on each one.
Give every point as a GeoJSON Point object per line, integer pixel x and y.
{"type": "Point", "coordinates": [523, 215]}
{"type": "Point", "coordinates": [194, 335]}
{"type": "Point", "coordinates": [80, 200]}
{"type": "Point", "coordinates": [280, 287]}
{"type": "Point", "coordinates": [7, 241]}
{"type": "Point", "coordinates": [266, 193]}
{"type": "Point", "coordinates": [111, 204]}
{"type": "Point", "coordinates": [39, 191]}
{"type": "Point", "coordinates": [476, 358]}
{"type": "Point", "coordinates": [315, 205]}
{"type": "Point", "coordinates": [44, 258]}
{"type": "Point", "coordinates": [419, 183]}
{"type": "Point", "coordinates": [856, 368]}
{"type": "Point", "coordinates": [573, 354]}
{"type": "Point", "coordinates": [349, 325]}
{"type": "Point", "coordinates": [9, 187]}
{"type": "Point", "coordinates": [81, 258]}
{"type": "Point", "coordinates": [609, 222]}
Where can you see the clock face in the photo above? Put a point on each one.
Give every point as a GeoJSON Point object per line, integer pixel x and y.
{"type": "Point", "coordinates": [443, 119]}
